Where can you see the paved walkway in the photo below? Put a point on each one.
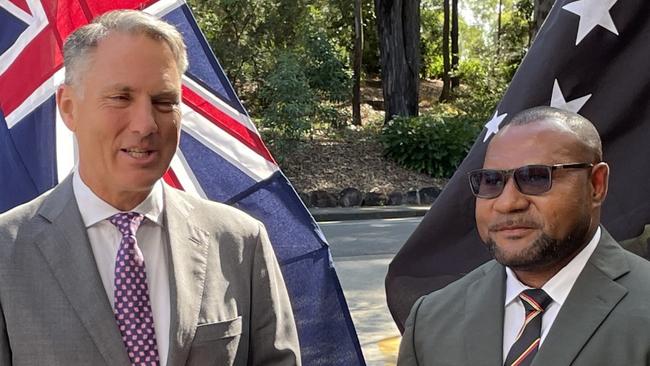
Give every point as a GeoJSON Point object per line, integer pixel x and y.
{"type": "Point", "coordinates": [361, 261]}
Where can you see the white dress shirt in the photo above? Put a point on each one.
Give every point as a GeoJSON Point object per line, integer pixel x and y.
{"type": "Point", "coordinates": [105, 240]}
{"type": "Point", "coordinates": [558, 288]}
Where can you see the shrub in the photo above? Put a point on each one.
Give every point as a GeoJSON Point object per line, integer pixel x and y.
{"type": "Point", "coordinates": [304, 88]}
{"type": "Point", "coordinates": [288, 103]}
{"type": "Point", "coordinates": [481, 92]}
{"type": "Point", "coordinates": [431, 144]}
{"type": "Point", "coordinates": [327, 74]}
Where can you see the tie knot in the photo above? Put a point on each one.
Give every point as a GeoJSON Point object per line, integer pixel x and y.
{"type": "Point", "coordinates": [535, 299]}
{"type": "Point", "coordinates": [127, 222]}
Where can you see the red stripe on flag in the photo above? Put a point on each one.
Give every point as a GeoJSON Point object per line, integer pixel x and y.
{"type": "Point", "coordinates": [65, 16]}
{"type": "Point", "coordinates": [22, 4]}
{"type": "Point", "coordinates": [171, 179]}
{"type": "Point", "coordinates": [37, 63]}
{"type": "Point", "coordinates": [100, 7]}
{"type": "Point", "coordinates": [226, 123]}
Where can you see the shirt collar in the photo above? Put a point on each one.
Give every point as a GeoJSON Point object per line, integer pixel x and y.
{"type": "Point", "coordinates": [559, 286]}
{"type": "Point", "coordinates": [93, 209]}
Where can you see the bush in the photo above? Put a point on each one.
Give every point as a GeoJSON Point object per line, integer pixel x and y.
{"type": "Point", "coordinates": [288, 103]}
{"type": "Point", "coordinates": [327, 74]}
{"type": "Point", "coordinates": [431, 144]}
{"type": "Point", "coordinates": [481, 90]}
{"type": "Point", "coordinates": [305, 87]}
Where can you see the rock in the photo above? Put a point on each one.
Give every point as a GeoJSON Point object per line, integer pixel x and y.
{"type": "Point", "coordinates": [395, 198]}
{"type": "Point", "coordinates": [305, 198]}
{"type": "Point", "coordinates": [350, 197]}
{"type": "Point", "coordinates": [323, 199]}
{"type": "Point", "coordinates": [374, 199]}
{"type": "Point", "coordinates": [428, 195]}
{"type": "Point", "coordinates": [412, 198]}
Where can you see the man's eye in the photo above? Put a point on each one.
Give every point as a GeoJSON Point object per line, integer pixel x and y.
{"type": "Point", "coordinates": [165, 105]}
{"type": "Point", "coordinates": [120, 98]}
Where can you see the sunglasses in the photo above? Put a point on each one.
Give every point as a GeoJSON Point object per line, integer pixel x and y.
{"type": "Point", "coordinates": [529, 179]}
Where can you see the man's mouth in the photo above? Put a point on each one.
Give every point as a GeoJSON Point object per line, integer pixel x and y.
{"type": "Point", "coordinates": [138, 153]}
{"type": "Point", "coordinates": [512, 226]}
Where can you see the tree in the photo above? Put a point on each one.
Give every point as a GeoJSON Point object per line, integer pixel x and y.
{"type": "Point", "coordinates": [358, 61]}
{"type": "Point", "coordinates": [455, 80]}
{"type": "Point", "coordinates": [542, 8]}
{"type": "Point", "coordinates": [398, 25]}
{"type": "Point", "coordinates": [446, 68]}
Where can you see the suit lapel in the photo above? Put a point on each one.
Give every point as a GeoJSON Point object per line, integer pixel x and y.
{"type": "Point", "coordinates": [484, 309]}
{"type": "Point", "coordinates": [187, 256]}
{"type": "Point", "coordinates": [592, 298]}
{"type": "Point", "coordinates": [65, 246]}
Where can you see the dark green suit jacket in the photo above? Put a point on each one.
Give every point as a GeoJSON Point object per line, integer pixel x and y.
{"type": "Point", "coordinates": [639, 245]}
{"type": "Point", "coordinates": [604, 321]}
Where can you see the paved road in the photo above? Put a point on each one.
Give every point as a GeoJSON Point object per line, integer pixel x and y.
{"type": "Point", "coordinates": [362, 251]}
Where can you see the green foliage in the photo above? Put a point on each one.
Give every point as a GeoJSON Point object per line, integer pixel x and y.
{"type": "Point", "coordinates": [304, 88]}
{"type": "Point", "coordinates": [286, 58]}
{"type": "Point", "coordinates": [431, 144]}
{"type": "Point", "coordinates": [289, 103]}
{"type": "Point", "coordinates": [326, 73]}
{"type": "Point", "coordinates": [481, 91]}
{"type": "Point", "coordinates": [431, 18]}
{"type": "Point", "coordinates": [290, 62]}
{"type": "Point", "coordinates": [515, 37]}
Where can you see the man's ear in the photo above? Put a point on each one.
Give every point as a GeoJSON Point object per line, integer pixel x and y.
{"type": "Point", "coordinates": [67, 101]}
{"type": "Point", "coordinates": [599, 183]}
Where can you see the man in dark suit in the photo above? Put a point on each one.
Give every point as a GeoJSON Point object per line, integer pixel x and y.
{"type": "Point", "coordinates": [112, 267]}
{"type": "Point", "coordinates": [561, 291]}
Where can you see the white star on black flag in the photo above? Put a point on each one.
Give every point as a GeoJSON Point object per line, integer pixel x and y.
{"type": "Point", "coordinates": [559, 101]}
{"type": "Point", "coordinates": [590, 57]}
{"type": "Point", "coordinates": [592, 13]}
{"type": "Point", "coordinates": [493, 124]}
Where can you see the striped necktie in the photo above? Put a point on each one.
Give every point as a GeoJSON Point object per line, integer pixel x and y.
{"type": "Point", "coordinates": [526, 345]}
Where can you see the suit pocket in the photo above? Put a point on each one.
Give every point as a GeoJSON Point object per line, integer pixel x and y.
{"type": "Point", "coordinates": [217, 344]}
{"type": "Point", "coordinates": [214, 331]}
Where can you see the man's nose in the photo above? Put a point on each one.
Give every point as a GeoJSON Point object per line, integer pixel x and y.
{"type": "Point", "coordinates": [511, 200]}
{"type": "Point", "coordinates": [143, 118]}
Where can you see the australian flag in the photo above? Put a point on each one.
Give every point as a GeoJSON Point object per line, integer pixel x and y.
{"type": "Point", "coordinates": [221, 155]}
{"type": "Point", "coordinates": [590, 57]}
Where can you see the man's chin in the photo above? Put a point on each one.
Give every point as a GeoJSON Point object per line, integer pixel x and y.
{"type": "Point", "coordinates": [516, 254]}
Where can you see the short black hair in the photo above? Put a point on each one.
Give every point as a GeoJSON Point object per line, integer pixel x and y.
{"type": "Point", "coordinates": [580, 126]}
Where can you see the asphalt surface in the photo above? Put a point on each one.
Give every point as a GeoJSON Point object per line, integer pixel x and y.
{"type": "Point", "coordinates": [362, 251]}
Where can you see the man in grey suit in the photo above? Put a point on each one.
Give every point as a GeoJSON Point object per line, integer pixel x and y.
{"type": "Point", "coordinates": [112, 267]}
{"type": "Point", "coordinates": [561, 291]}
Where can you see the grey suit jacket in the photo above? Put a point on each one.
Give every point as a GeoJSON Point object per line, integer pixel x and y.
{"type": "Point", "coordinates": [604, 321]}
{"type": "Point", "coordinates": [229, 304]}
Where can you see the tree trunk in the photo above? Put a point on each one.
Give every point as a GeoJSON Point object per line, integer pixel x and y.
{"type": "Point", "coordinates": [446, 82]}
{"type": "Point", "coordinates": [454, 44]}
{"type": "Point", "coordinates": [358, 60]}
{"type": "Point", "coordinates": [398, 25]}
{"type": "Point", "coordinates": [542, 8]}
{"type": "Point", "coordinates": [500, 11]}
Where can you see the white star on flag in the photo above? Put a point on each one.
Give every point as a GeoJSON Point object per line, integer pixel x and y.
{"type": "Point", "coordinates": [558, 100]}
{"type": "Point", "coordinates": [592, 13]}
{"type": "Point", "coordinates": [493, 125]}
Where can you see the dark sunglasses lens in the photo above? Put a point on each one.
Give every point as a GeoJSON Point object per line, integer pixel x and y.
{"type": "Point", "coordinates": [533, 179]}
{"type": "Point", "coordinates": [486, 183]}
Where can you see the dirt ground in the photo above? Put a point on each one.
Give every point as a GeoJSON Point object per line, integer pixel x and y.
{"type": "Point", "coordinates": [354, 158]}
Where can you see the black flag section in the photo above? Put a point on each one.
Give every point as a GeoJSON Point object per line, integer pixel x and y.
{"type": "Point", "coordinates": [590, 57]}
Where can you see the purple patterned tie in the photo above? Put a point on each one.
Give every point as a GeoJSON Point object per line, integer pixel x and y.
{"type": "Point", "coordinates": [132, 306]}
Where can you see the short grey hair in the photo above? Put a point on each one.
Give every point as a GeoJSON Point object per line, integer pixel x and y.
{"type": "Point", "coordinates": [580, 126]}
{"type": "Point", "coordinates": [82, 41]}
